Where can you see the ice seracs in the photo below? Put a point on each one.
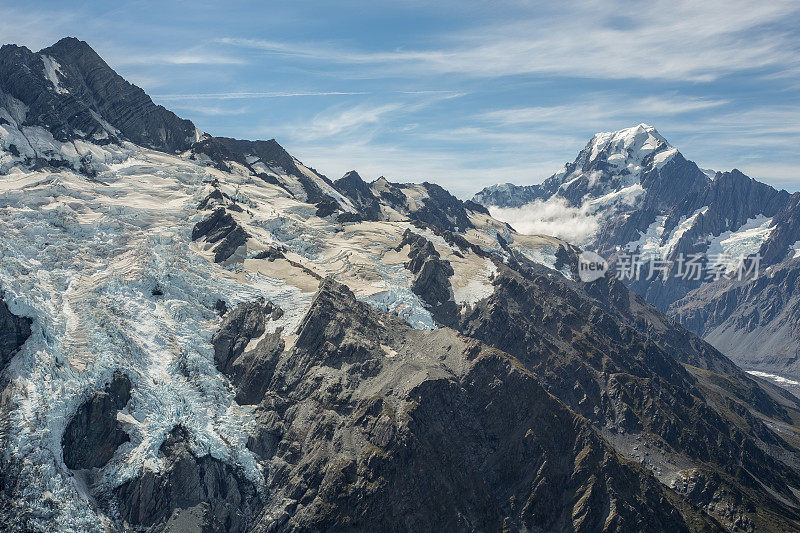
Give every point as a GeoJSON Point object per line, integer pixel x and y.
{"type": "Point", "coordinates": [145, 260]}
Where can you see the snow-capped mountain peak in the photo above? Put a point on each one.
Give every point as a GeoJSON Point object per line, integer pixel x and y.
{"type": "Point", "coordinates": [629, 145]}
{"type": "Point", "coordinates": [629, 152]}
{"type": "Point", "coordinates": [619, 170]}
{"type": "Point", "coordinates": [616, 171]}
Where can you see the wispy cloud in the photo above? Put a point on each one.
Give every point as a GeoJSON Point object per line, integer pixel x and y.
{"type": "Point", "coordinates": [551, 217]}
{"type": "Point", "coordinates": [343, 121]}
{"type": "Point", "coordinates": [252, 95]}
{"type": "Point", "coordinates": [365, 121]}
{"type": "Point", "coordinates": [189, 57]}
{"type": "Point", "coordinates": [781, 121]}
{"type": "Point", "coordinates": [601, 109]}
{"type": "Point", "coordinates": [655, 40]}
{"type": "Point", "coordinates": [209, 110]}
{"type": "Point", "coordinates": [718, 78]}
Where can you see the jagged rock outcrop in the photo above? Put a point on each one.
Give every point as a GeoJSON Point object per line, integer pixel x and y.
{"type": "Point", "coordinates": [732, 199]}
{"type": "Point", "coordinates": [14, 331]}
{"type": "Point", "coordinates": [442, 209]}
{"type": "Point", "coordinates": [224, 149]}
{"type": "Point", "coordinates": [431, 277]}
{"type": "Point", "coordinates": [425, 203]}
{"type": "Point", "coordinates": [217, 199]}
{"type": "Point", "coordinates": [188, 493]}
{"type": "Point", "coordinates": [262, 158]}
{"type": "Point", "coordinates": [221, 230]}
{"type": "Point", "coordinates": [360, 193]}
{"type": "Point", "coordinates": [786, 232]}
{"type": "Point", "coordinates": [94, 434]}
{"type": "Point", "coordinates": [249, 370]}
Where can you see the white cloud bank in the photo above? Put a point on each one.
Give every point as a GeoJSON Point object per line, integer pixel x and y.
{"type": "Point", "coordinates": [552, 217]}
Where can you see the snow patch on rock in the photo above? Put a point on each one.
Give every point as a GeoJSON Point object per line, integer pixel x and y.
{"type": "Point", "coordinates": [545, 255]}
{"type": "Point", "coordinates": [478, 287]}
{"type": "Point", "coordinates": [796, 248]}
{"type": "Point", "coordinates": [396, 297]}
{"type": "Point", "coordinates": [51, 71]}
{"type": "Point", "coordinates": [649, 244]}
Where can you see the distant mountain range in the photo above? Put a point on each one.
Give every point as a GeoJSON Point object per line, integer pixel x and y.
{"type": "Point", "coordinates": [642, 196]}
{"type": "Point", "coordinates": [201, 333]}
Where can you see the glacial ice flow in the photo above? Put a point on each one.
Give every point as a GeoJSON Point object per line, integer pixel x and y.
{"type": "Point", "coordinates": [83, 256]}
{"type": "Point", "coordinates": [729, 247]}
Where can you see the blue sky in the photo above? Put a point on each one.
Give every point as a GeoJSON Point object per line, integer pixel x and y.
{"type": "Point", "coordinates": [465, 94]}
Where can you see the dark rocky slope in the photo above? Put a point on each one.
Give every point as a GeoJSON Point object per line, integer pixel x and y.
{"type": "Point", "coordinates": [630, 387]}
{"type": "Point", "coordinates": [757, 322]}
{"type": "Point", "coordinates": [249, 371]}
{"type": "Point", "coordinates": [92, 94]}
{"type": "Point", "coordinates": [548, 406]}
{"type": "Point", "coordinates": [93, 434]}
{"type": "Point", "coordinates": [190, 493]}
{"type": "Point", "coordinates": [358, 383]}
{"type": "Point", "coordinates": [370, 425]}
{"type": "Point", "coordinates": [14, 331]}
